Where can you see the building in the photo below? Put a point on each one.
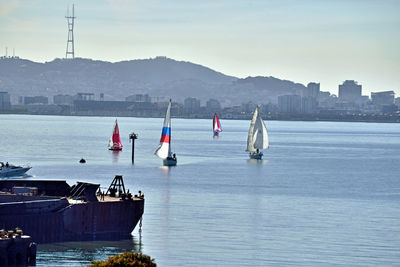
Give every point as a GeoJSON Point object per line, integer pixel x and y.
{"type": "Point", "coordinates": [350, 91]}
{"type": "Point", "coordinates": [308, 105]}
{"type": "Point", "coordinates": [191, 105]}
{"type": "Point", "coordinates": [397, 101]}
{"type": "Point", "coordinates": [138, 98]}
{"type": "Point", "coordinates": [5, 102]}
{"type": "Point", "coordinates": [66, 100]}
{"type": "Point", "coordinates": [383, 98]}
{"type": "Point", "coordinates": [36, 100]}
{"type": "Point", "coordinates": [84, 96]}
{"type": "Point", "coordinates": [289, 104]}
{"type": "Point", "coordinates": [213, 105]}
{"type": "Point", "coordinates": [312, 90]}
{"type": "Point", "coordinates": [248, 107]}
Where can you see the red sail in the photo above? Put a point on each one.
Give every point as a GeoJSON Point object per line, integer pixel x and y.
{"type": "Point", "coordinates": [115, 138]}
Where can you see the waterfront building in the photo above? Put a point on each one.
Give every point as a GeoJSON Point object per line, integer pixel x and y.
{"type": "Point", "coordinates": [308, 105]}
{"type": "Point", "coordinates": [312, 90]}
{"type": "Point", "coordinates": [138, 98]}
{"type": "Point", "coordinates": [84, 96]}
{"type": "Point", "coordinates": [36, 100]}
{"type": "Point", "coordinates": [289, 104]}
{"type": "Point", "coordinates": [5, 102]}
{"type": "Point", "coordinates": [66, 100]}
{"type": "Point", "coordinates": [350, 91]}
{"type": "Point", "coordinates": [213, 105]}
{"type": "Point", "coordinates": [397, 101]}
{"type": "Point", "coordinates": [249, 107]}
{"type": "Point", "coordinates": [382, 98]}
{"type": "Point", "coordinates": [191, 105]}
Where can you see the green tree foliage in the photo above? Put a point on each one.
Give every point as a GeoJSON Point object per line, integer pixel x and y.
{"type": "Point", "coordinates": [126, 259]}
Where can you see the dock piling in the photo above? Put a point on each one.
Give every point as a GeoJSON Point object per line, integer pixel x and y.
{"type": "Point", "coordinates": [133, 136]}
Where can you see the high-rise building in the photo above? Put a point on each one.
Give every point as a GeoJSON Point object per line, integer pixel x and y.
{"type": "Point", "coordinates": [289, 104]}
{"type": "Point", "coordinates": [383, 98]}
{"type": "Point", "coordinates": [308, 105]}
{"type": "Point", "coordinates": [5, 102]}
{"type": "Point", "coordinates": [213, 105]}
{"type": "Point", "coordinates": [191, 105]}
{"type": "Point", "coordinates": [313, 90]}
{"type": "Point", "coordinates": [350, 91]}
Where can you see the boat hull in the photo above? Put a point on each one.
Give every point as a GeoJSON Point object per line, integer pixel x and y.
{"type": "Point", "coordinates": [170, 161]}
{"type": "Point", "coordinates": [87, 221]}
{"type": "Point", "coordinates": [255, 155]}
{"type": "Point", "coordinates": [39, 207]}
{"type": "Point", "coordinates": [115, 149]}
{"type": "Point", "coordinates": [14, 172]}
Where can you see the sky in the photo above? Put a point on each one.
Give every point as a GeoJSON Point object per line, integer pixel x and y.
{"type": "Point", "coordinates": [324, 41]}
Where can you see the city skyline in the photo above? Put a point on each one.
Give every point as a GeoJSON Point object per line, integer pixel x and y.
{"type": "Point", "coordinates": [326, 42]}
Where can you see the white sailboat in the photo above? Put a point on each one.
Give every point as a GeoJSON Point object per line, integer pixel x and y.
{"type": "Point", "coordinates": [164, 148]}
{"type": "Point", "coordinates": [258, 136]}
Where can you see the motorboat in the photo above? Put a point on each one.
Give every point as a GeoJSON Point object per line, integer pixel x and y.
{"type": "Point", "coordinates": [7, 169]}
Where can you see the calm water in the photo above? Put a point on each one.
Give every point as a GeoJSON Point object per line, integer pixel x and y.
{"type": "Point", "coordinates": [327, 193]}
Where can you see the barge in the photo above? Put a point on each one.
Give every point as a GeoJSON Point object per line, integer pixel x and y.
{"type": "Point", "coordinates": [53, 211]}
{"type": "Point", "coordinates": [16, 249]}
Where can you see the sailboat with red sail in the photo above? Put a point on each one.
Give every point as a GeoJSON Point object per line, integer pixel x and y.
{"type": "Point", "coordinates": [216, 125]}
{"type": "Point", "coordinates": [115, 141]}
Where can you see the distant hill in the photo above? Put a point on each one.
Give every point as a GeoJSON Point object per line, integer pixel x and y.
{"type": "Point", "coordinates": [159, 77]}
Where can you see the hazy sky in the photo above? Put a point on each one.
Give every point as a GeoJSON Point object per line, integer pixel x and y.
{"type": "Point", "coordinates": [326, 41]}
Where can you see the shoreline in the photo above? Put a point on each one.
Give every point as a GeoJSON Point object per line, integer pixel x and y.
{"type": "Point", "coordinates": [344, 118]}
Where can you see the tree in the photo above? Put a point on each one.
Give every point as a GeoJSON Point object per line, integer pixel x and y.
{"type": "Point", "coordinates": [126, 259]}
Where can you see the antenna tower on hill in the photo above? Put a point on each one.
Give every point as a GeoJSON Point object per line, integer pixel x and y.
{"type": "Point", "coordinates": [70, 43]}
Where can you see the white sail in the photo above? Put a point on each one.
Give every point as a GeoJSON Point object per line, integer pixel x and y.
{"type": "Point", "coordinates": [250, 141]}
{"type": "Point", "coordinates": [258, 135]}
{"type": "Point", "coordinates": [110, 142]}
{"type": "Point", "coordinates": [164, 148]}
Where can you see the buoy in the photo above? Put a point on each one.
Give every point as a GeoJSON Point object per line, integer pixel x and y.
{"type": "Point", "coordinates": [82, 160]}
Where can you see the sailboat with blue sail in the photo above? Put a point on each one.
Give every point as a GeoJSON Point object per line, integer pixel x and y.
{"type": "Point", "coordinates": [164, 148]}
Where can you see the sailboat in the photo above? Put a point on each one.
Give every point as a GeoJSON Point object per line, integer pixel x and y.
{"type": "Point", "coordinates": [216, 125]}
{"type": "Point", "coordinates": [164, 148]}
{"type": "Point", "coordinates": [115, 141]}
{"type": "Point", "coordinates": [258, 136]}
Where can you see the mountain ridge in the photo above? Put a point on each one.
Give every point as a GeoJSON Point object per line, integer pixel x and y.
{"type": "Point", "coordinates": [160, 77]}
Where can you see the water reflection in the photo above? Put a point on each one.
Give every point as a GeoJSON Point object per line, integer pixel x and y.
{"type": "Point", "coordinates": [82, 253]}
{"type": "Point", "coordinates": [115, 155]}
{"type": "Point", "coordinates": [165, 170]}
{"type": "Point", "coordinates": [257, 162]}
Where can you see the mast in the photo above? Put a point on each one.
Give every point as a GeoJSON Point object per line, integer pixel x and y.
{"type": "Point", "coordinates": [170, 134]}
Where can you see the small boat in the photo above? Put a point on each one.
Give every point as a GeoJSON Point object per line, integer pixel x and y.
{"type": "Point", "coordinates": [7, 170]}
{"type": "Point", "coordinates": [115, 141]}
{"type": "Point", "coordinates": [164, 148]}
{"type": "Point", "coordinates": [216, 125]}
{"type": "Point", "coordinates": [258, 136]}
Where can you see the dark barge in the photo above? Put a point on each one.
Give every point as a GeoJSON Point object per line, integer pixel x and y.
{"type": "Point", "coordinates": [52, 211]}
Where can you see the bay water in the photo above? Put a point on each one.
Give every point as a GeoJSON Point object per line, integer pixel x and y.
{"type": "Point", "coordinates": [325, 194]}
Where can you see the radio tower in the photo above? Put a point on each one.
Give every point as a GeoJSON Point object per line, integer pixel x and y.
{"type": "Point", "coordinates": [70, 43]}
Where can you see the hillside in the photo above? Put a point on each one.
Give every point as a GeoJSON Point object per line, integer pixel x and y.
{"type": "Point", "coordinates": [159, 77]}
